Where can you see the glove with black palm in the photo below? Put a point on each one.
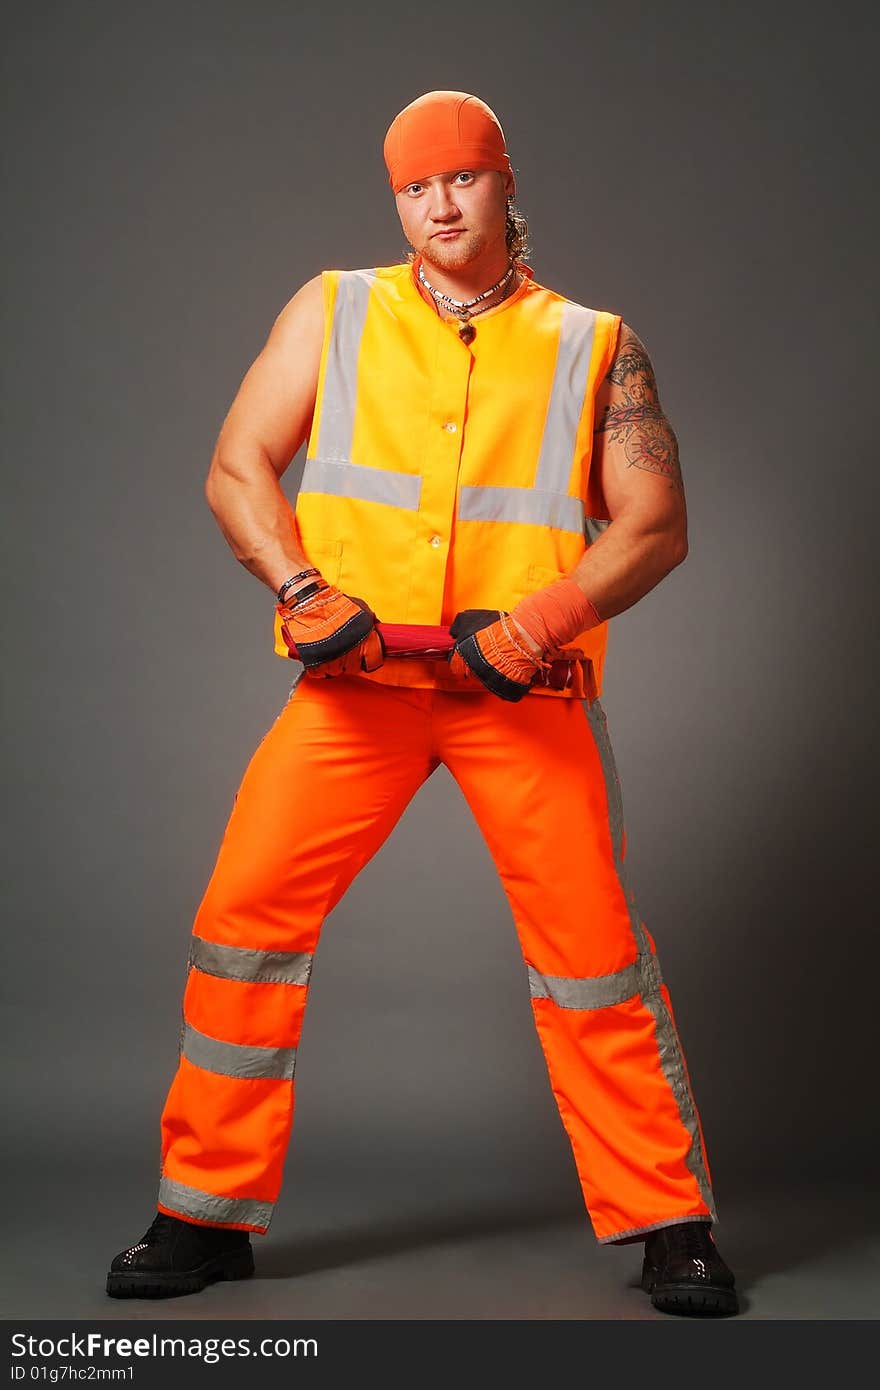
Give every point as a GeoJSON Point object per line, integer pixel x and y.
{"type": "Point", "coordinates": [488, 646]}
{"type": "Point", "coordinates": [331, 633]}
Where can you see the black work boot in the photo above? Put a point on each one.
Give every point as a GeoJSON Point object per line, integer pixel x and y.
{"type": "Point", "coordinates": [684, 1273]}
{"type": "Point", "coordinates": [177, 1257]}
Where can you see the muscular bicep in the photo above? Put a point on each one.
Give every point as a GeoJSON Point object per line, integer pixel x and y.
{"type": "Point", "coordinates": [272, 410]}
{"type": "Point", "coordinates": [635, 452]}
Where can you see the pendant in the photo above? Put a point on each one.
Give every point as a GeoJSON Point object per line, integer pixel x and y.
{"type": "Point", "coordinates": [467, 332]}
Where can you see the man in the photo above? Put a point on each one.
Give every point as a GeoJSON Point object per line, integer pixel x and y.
{"type": "Point", "coordinates": [486, 456]}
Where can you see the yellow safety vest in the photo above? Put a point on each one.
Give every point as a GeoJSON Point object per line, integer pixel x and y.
{"type": "Point", "coordinates": [442, 475]}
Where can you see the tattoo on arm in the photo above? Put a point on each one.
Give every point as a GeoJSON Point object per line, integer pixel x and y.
{"type": "Point", "coordinates": [637, 421]}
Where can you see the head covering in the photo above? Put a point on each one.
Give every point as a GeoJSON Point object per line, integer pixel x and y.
{"type": "Point", "coordinates": [441, 131]}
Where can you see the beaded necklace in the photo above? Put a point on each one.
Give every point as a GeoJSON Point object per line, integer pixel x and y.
{"type": "Point", "coordinates": [463, 308]}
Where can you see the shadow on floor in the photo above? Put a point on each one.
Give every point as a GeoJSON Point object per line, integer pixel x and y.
{"type": "Point", "coordinates": [787, 1228]}
{"type": "Point", "coordinates": [338, 1249]}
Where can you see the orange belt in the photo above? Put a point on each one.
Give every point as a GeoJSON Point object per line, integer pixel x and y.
{"type": "Point", "coordinates": [426, 642]}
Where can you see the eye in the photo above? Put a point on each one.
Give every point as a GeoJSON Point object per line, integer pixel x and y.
{"type": "Point", "coordinates": [413, 189]}
{"type": "Point", "coordinates": [466, 175]}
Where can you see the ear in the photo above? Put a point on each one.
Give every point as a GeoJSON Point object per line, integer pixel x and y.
{"type": "Point", "coordinates": [509, 184]}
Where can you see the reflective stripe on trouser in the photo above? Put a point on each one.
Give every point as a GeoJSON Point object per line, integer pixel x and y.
{"type": "Point", "coordinates": [322, 792]}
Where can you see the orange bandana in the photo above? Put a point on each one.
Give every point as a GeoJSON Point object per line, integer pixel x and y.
{"type": "Point", "coordinates": [443, 131]}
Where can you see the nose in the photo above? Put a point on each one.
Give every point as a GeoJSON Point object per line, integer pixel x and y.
{"type": "Point", "coordinates": [443, 205]}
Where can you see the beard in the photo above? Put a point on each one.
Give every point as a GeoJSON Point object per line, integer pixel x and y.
{"type": "Point", "coordinates": [453, 255]}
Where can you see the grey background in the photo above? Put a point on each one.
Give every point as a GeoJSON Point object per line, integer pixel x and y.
{"type": "Point", "coordinates": [173, 176]}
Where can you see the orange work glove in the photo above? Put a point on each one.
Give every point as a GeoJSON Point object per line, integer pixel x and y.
{"type": "Point", "coordinates": [331, 633]}
{"type": "Point", "coordinates": [488, 645]}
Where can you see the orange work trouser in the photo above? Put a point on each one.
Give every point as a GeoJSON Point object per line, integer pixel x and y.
{"type": "Point", "coordinates": [322, 792]}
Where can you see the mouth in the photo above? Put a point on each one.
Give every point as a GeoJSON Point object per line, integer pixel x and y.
{"type": "Point", "coordinates": [449, 235]}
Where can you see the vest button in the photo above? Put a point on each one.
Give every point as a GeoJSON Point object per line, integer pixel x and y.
{"type": "Point", "coordinates": [435, 541]}
{"type": "Point", "coordinates": [450, 427]}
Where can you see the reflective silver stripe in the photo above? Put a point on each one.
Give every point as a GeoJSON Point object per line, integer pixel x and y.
{"type": "Point", "coordinates": [597, 991]}
{"type": "Point", "coordinates": [576, 332]}
{"type": "Point", "coordinates": [339, 397]}
{"type": "Point", "coordinates": [522, 504]}
{"type": "Point", "coordinates": [237, 1059]}
{"type": "Point", "coordinates": [668, 1046]}
{"type": "Point", "coordinates": [343, 479]}
{"type": "Point", "coordinates": [594, 526]}
{"type": "Point", "coordinates": [614, 797]}
{"type": "Point", "coordinates": [241, 963]}
{"type": "Point", "coordinates": [654, 1226]}
{"type": "Point", "coordinates": [207, 1206]}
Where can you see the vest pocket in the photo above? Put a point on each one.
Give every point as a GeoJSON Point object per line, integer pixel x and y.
{"type": "Point", "coordinates": [536, 577]}
{"type": "Point", "coordinates": [541, 575]}
{"type": "Point", "coordinates": [327, 557]}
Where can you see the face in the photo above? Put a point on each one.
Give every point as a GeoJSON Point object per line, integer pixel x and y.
{"type": "Point", "coordinates": [457, 218]}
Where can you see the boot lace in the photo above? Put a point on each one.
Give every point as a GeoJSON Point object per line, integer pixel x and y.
{"type": "Point", "coordinates": [691, 1238]}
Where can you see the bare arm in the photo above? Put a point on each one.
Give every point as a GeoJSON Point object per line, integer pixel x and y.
{"type": "Point", "coordinates": [267, 422]}
{"type": "Point", "coordinates": [635, 458]}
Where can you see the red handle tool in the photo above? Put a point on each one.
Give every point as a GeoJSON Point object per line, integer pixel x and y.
{"type": "Point", "coordinates": [435, 643]}
{"type": "Point", "coordinates": [413, 639]}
